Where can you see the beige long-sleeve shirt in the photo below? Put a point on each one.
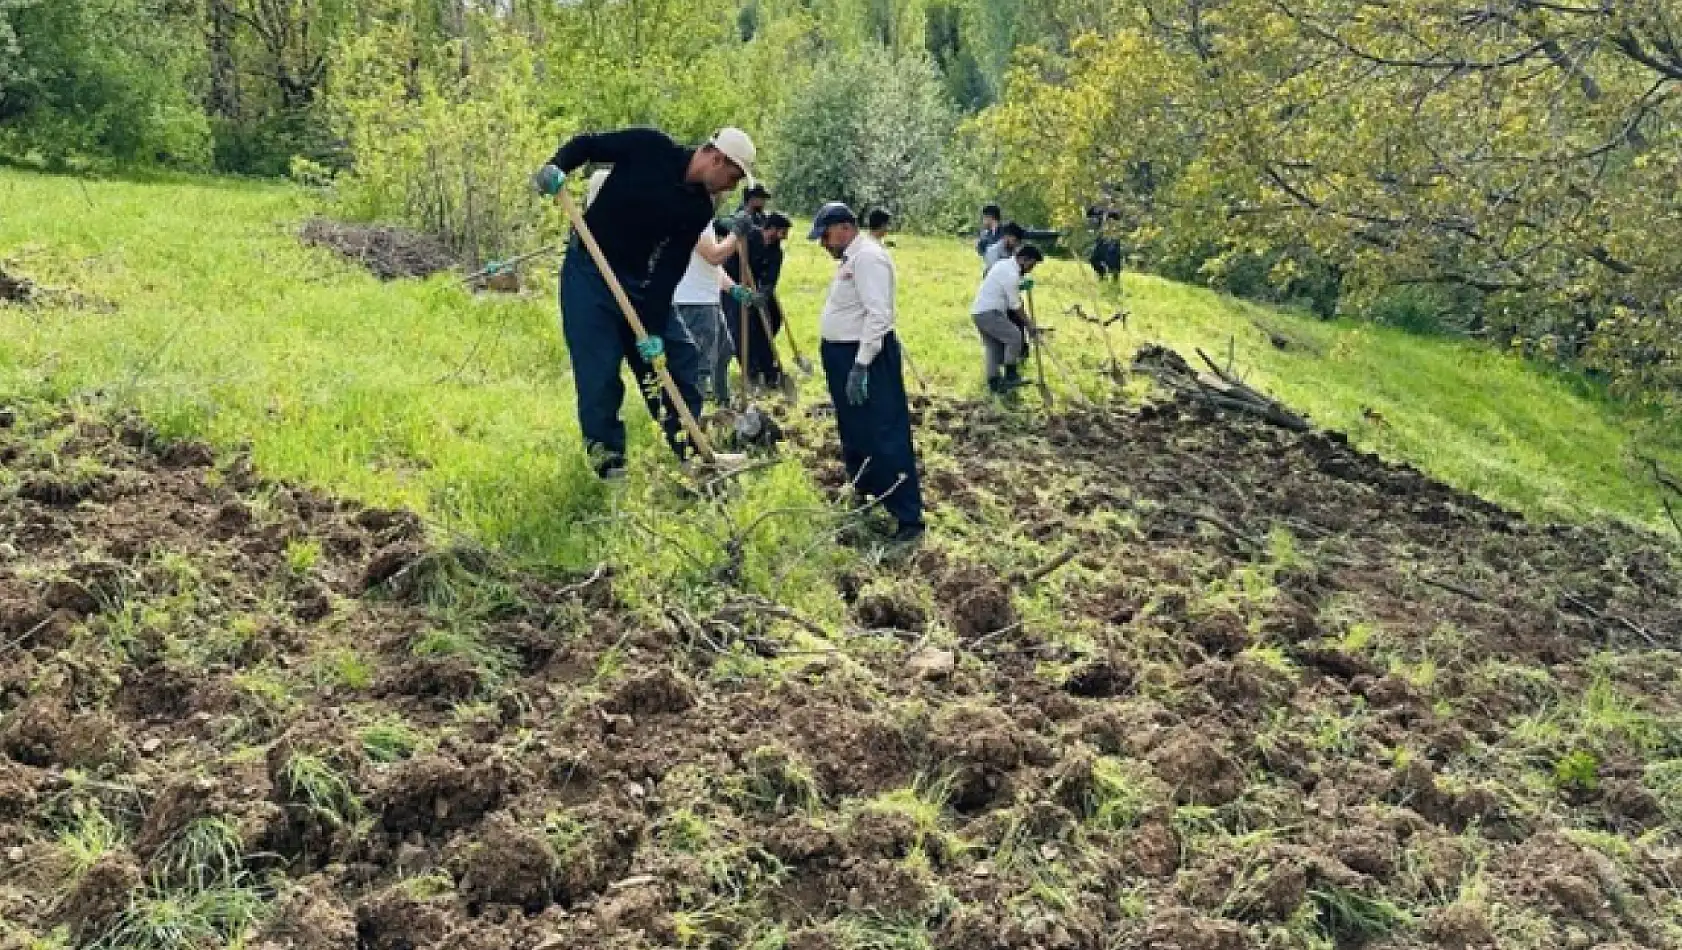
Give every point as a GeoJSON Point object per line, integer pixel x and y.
{"type": "Point", "coordinates": [860, 305]}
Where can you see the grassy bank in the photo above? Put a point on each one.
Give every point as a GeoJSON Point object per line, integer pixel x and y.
{"type": "Point", "coordinates": [416, 393]}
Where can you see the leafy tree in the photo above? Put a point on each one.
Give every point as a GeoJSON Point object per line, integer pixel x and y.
{"type": "Point", "coordinates": [871, 129]}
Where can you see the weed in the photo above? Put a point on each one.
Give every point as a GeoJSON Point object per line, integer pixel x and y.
{"type": "Point", "coordinates": [1346, 915]}
{"type": "Point", "coordinates": [1577, 772]}
{"type": "Point", "coordinates": [1121, 793]}
{"type": "Point", "coordinates": [184, 920]}
{"type": "Point", "coordinates": [301, 556]}
{"type": "Point", "coordinates": [89, 836]}
{"type": "Point", "coordinates": [205, 854]}
{"type": "Point", "coordinates": [314, 782]}
{"type": "Point", "coordinates": [345, 668]}
{"type": "Point", "coordinates": [686, 831]}
{"type": "Point", "coordinates": [493, 662]}
{"type": "Point", "coordinates": [564, 833]}
{"type": "Point", "coordinates": [390, 740]}
{"type": "Point", "coordinates": [853, 932]}
{"type": "Point", "coordinates": [777, 779]}
{"type": "Point", "coordinates": [433, 884]}
{"type": "Point", "coordinates": [268, 689]}
{"type": "Point", "coordinates": [1665, 781]}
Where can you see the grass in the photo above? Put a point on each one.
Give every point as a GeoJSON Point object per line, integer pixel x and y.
{"type": "Point", "coordinates": [315, 783]}
{"type": "Point", "coordinates": [414, 393]}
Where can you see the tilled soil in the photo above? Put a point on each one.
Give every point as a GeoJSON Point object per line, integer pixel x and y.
{"type": "Point", "coordinates": [390, 252]}
{"type": "Point", "coordinates": [1281, 694]}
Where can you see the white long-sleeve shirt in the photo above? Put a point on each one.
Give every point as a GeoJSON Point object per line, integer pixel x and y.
{"type": "Point", "coordinates": [860, 305]}
{"type": "Point", "coordinates": [1000, 289]}
{"type": "Point", "coordinates": [701, 281]}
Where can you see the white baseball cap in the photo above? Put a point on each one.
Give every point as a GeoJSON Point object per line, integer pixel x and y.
{"type": "Point", "coordinates": [736, 146]}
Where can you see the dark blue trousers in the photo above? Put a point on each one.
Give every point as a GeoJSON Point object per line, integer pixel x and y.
{"type": "Point", "coordinates": [599, 341]}
{"type": "Point", "coordinates": [876, 437]}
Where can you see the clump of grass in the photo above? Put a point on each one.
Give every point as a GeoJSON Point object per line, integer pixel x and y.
{"type": "Point", "coordinates": [184, 920]}
{"type": "Point", "coordinates": [491, 661]}
{"type": "Point", "coordinates": [1121, 794]}
{"type": "Point", "coordinates": [776, 780]}
{"type": "Point", "coordinates": [301, 556]}
{"type": "Point", "coordinates": [565, 833]}
{"type": "Point", "coordinates": [390, 740]}
{"type": "Point", "coordinates": [89, 836]}
{"type": "Point", "coordinates": [317, 784]}
{"type": "Point", "coordinates": [1577, 772]}
{"type": "Point", "coordinates": [686, 831]}
{"type": "Point", "coordinates": [346, 668]}
{"type": "Point", "coordinates": [205, 854]}
{"type": "Point", "coordinates": [1348, 916]}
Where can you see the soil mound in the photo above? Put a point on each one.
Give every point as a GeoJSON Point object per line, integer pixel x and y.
{"type": "Point", "coordinates": [390, 252]}
{"type": "Point", "coordinates": [1282, 694]}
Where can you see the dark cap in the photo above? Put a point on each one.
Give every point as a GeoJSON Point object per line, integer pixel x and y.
{"type": "Point", "coordinates": [1012, 229]}
{"type": "Point", "coordinates": [777, 219]}
{"type": "Point", "coordinates": [1028, 252]}
{"type": "Point", "coordinates": [835, 212]}
{"type": "Point", "coordinates": [757, 190]}
{"type": "Point", "coordinates": [990, 211]}
{"type": "Point", "coordinates": [878, 219]}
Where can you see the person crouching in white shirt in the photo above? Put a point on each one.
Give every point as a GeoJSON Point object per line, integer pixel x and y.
{"type": "Point", "coordinates": [997, 312]}
{"type": "Point", "coordinates": [861, 359]}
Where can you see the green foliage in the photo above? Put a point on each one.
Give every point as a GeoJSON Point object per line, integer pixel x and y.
{"type": "Point", "coordinates": [391, 740]}
{"type": "Point", "coordinates": [317, 784]}
{"type": "Point", "coordinates": [88, 836]}
{"type": "Point", "coordinates": [1428, 170]}
{"type": "Point", "coordinates": [1577, 771]}
{"type": "Point", "coordinates": [184, 920]}
{"type": "Point", "coordinates": [107, 77]}
{"type": "Point", "coordinates": [1347, 915]}
{"type": "Point", "coordinates": [870, 129]}
{"type": "Point", "coordinates": [448, 153]}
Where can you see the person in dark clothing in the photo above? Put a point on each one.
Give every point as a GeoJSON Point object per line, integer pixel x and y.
{"type": "Point", "coordinates": [645, 219]}
{"type": "Point", "coordinates": [765, 251]}
{"type": "Point", "coordinates": [862, 364]}
{"type": "Point", "coordinates": [877, 223]}
{"type": "Point", "coordinates": [754, 202]}
{"type": "Point", "coordinates": [990, 215]}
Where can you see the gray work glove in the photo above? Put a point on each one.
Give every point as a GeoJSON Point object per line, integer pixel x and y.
{"type": "Point", "coordinates": [858, 385]}
{"type": "Point", "coordinates": [549, 180]}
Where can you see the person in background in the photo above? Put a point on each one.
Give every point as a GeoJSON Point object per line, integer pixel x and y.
{"type": "Point", "coordinates": [877, 223]}
{"type": "Point", "coordinates": [645, 220]}
{"type": "Point", "coordinates": [765, 251]}
{"type": "Point", "coordinates": [998, 316]}
{"type": "Point", "coordinates": [1011, 237]}
{"type": "Point", "coordinates": [695, 302]}
{"type": "Point", "coordinates": [989, 232]}
{"type": "Point", "coordinates": [754, 201]}
{"type": "Point", "coordinates": [862, 364]}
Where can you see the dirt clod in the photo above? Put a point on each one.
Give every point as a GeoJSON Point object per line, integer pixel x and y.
{"type": "Point", "coordinates": [101, 896]}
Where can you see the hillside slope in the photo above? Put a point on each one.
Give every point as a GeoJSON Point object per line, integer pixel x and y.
{"type": "Point", "coordinates": [1161, 677]}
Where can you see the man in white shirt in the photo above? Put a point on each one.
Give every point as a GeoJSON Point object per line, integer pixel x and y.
{"type": "Point", "coordinates": [1011, 237]}
{"type": "Point", "coordinates": [696, 303]}
{"type": "Point", "coordinates": [997, 312]}
{"type": "Point", "coordinates": [861, 360]}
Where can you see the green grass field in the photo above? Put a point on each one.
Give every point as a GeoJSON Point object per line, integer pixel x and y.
{"type": "Point", "coordinates": [417, 393]}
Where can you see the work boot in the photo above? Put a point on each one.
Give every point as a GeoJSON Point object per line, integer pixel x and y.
{"type": "Point", "coordinates": [909, 533]}
{"type": "Point", "coordinates": [1012, 379]}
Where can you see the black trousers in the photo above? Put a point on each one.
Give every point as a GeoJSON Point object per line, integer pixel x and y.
{"type": "Point", "coordinates": [876, 437]}
{"type": "Point", "coordinates": [763, 364]}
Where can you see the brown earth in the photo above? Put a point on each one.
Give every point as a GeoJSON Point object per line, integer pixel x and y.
{"type": "Point", "coordinates": [1283, 695]}
{"type": "Point", "coordinates": [390, 252]}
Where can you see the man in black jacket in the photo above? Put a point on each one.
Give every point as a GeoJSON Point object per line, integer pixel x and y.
{"type": "Point", "coordinates": [765, 252]}
{"type": "Point", "coordinates": [646, 219]}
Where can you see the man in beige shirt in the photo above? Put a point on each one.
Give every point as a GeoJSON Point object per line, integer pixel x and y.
{"type": "Point", "coordinates": [861, 359]}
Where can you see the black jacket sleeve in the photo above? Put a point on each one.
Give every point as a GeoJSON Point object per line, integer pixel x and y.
{"type": "Point", "coordinates": [655, 308]}
{"type": "Point", "coordinates": [768, 266]}
{"type": "Point", "coordinates": [610, 148]}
